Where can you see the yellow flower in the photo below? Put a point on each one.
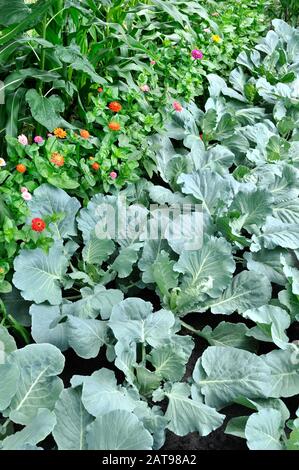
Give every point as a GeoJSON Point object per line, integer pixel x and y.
{"type": "Point", "coordinates": [216, 38]}
{"type": "Point", "coordinates": [60, 133]}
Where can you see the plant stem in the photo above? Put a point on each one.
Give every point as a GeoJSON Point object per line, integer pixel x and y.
{"type": "Point", "coordinates": [4, 425]}
{"type": "Point", "coordinates": [73, 297]}
{"type": "Point", "coordinates": [143, 353]}
{"type": "Point", "coordinates": [193, 330]}
{"type": "Point", "coordinates": [3, 311]}
{"type": "Point", "coordinates": [19, 328]}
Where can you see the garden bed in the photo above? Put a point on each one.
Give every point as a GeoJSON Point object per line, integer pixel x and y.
{"type": "Point", "coordinates": [149, 225]}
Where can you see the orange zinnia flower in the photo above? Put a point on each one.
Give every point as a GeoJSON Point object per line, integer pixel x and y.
{"type": "Point", "coordinates": [114, 126]}
{"type": "Point", "coordinates": [100, 89]}
{"type": "Point", "coordinates": [84, 134]}
{"type": "Point", "coordinates": [95, 166]}
{"type": "Point", "coordinates": [115, 106]}
{"type": "Point", "coordinates": [57, 159]}
{"type": "Point", "coordinates": [60, 133]}
{"type": "Point", "coordinates": [21, 168]}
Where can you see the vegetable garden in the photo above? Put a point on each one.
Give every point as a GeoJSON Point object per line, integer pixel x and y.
{"type": "Point", "coordinates": [149, 225]}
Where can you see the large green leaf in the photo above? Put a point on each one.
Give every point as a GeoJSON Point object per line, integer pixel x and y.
{"type": "Point", "coordinates": [13, 103]}
{"type": "Point", "coordinates": [92, 218]}
{"type": "Point", "coordinates": [228, 334]}
{"type": "Point", "coordinates": [45, 110]}
{"type": "Point", "coordinates": [86, 336]}
{"type": "Point", "coordinates": [224, 373]}
{"type": "Point", "coordinates": [187, 415]}
{"type": "Point", "coordinates": [101, 394]}
{"type": "Point", "coordinates": [72, 55]}
{"type": "Point", "coordinates": [38, 385]}
{"type": "Point", "coordinates": [271, 324]}
{"type": "Point", "coordinates": [14, 80]}
{"type": "Point", "coordinates": [218, 159]}
{"type": "Point", "coordinates": [268, 263]}
{"type": "Point", "coordinates": [169, 364]}
{"type": "Point", "coordinates": [39, 275]}
{"type": "Point", "coordinates": [13, 12]}
{"type": "Point", "coordinates": [206, 271]}
{"type": "Point", "coordinates": [126, 359]}
{"type": "Point", "coordinates": [247, 290]}
{"type": "Point", "coordinates": [123, 263]}
{"type": "Point", "coordinates": [7, 343]}
{"type": "Point", "coordinates": [154, 421]}
{"type": "Point", "coordinates": [72, 420]}
{"type": "Point", "coordinates": [162, 273]}
{"type": "Point", "coordinates": [49, 201]}
{"type": "Point", "coordinates": [264, 430]}
{"type": "Point", "coordinates": [276, 233]}
{"type": "Point", "coordinates": [118, 430]}
{"type": "Point", "coordinates": [94, 302]}
{"type": "Point", "coordinates": [284, 368]}
{"type": "Point", "coordinates": [41, 425]}
{"type": "Point", "coordinates": [43, 329]}
{"type": "Point", "coordinates": [135, 320]}
{"type": "Point", "coordinates": [207, 187]}
{"type": "Point", "coordinates": [251, 208]}
{"type": "Point", "coordinates": [9, 380]}
{"type": "Point", "coordinates": [28, 22]}
{"type": "Point", "coordinates": [236, 426]}
{"type": "Point", "coordinates": [105, 299]}
{"type": "Point", "coordinates": [97, 250]}
{"type": "Point", "coordinates": [150, 253]}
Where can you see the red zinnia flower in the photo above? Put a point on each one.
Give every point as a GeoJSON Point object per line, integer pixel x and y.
{"type": "Point", "coordinates": [115, 106]}
{"type": "Point", "coordinates": [95, 166]}
{"type": "Point", "coordinates": [21, 168]}
{"type": "Point", "coordinates": [38, 225]}
{"type": "Point", "coordinates": [100, 89]}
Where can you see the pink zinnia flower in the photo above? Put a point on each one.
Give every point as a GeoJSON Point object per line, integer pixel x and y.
{"type": "Point", "coordinates": [177, 106]}
{"type": "Point", "coordinates": [49, 134]}
{"type": "Point", "coordinates": [26, 196]}
{"type": "Point", "coordinates": [113, 175]}
{"type": "Point", "coordinates": [24, 190]}
{"type": "Point", "coordinates": [38, 139]}
{"type": "Point", "coordinates": [23, 139]}
{"type": "Point", "coordinates": [152, 62]}
{"type": "Point", "coordinates": [145, 88]}
{"type": "Point", "coordinates": [197, 54]}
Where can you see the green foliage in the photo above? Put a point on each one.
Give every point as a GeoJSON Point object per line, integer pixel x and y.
{"type": "Point", "coordinates": [73, 283]}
